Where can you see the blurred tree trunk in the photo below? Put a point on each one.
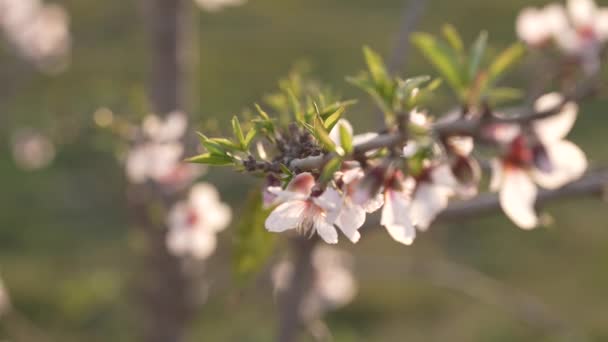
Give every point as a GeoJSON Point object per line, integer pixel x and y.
{"type": "Point", "coordinates": [167, 307]}
{"type": "Point", "coordinates": [290, 302]}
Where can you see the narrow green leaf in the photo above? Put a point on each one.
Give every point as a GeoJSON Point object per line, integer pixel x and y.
{"type": "Point", "coordinates": [376, 66]}
{"type": "Point", "coordinates": [478, 50]}
{"type": "Point", "coordinates": [331, 120]}
{"type": "Point", "coordinates": [295, 106]}
{"type": "Point", "coordinates": [253, 245]}
{"type": "Point", "coordinates": [441, 57]}
{"type": "Point", "coordinates": [238, 131]}
{"type": "Point", "coordinates": [505, 60]}
{"type": "Point", "coordinates": [501, 95]}
{"type": "Point", "coordinates": [211, 159]}
{"type": "Point", "coordinates": [346, 139]}
{"type": "Point", "coordinates": [330, 168]}
{"type": "Point", "coordinates": [453, 37]}
{"type": "Point", "coordinates": [323, 136]}
{"type": "Point", "coordinates": [250, 136]}
{"type": "Point", "coordinates": [262, 113]}
{"type": "Point", "coordinates": [225, 144]}
{"type": "Point", "coordinates": [211, 146]}
{"type": "Point", "coordinates": [286, 170]}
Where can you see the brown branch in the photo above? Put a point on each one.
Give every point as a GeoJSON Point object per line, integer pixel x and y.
{"type": "Point", "coordinates": [460, 126]}
{"type": "Point", "coordinates": [594, 183]}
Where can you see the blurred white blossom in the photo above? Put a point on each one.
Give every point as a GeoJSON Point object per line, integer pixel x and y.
{"type": "Point", "coordinates": [194, 223]}
{"type": "Point", "coordinates": [333, 284]}
{"type": "Point", "coordinates": [157, 156]}
{"type": "Point", "coordinates": [32, 150]}
{"type": "Point", "coordinates": [39, 32]}
{"type": "Point", "coordinates": [580, 29]}
{"type": "Point", "coordinates": [217, 5]}
{"type": "Point", "coordinates": [543, 157]}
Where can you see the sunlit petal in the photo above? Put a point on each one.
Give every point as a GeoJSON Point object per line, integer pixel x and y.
{"type": "Point", "coordinates": [395, 218]}
{"type": "Point", "coordinates": [582, 12]}
{"type": "Point", "coordinates": [517, 196]}
{"type": "Point", "coordinates": [326, 230]}
{"type": "Point", "coordinates": [286, 216]}
{"type": "Point", "coordinates": [351, 218]}
{"type": "Point", "coordinates": [568, 163]}
{"type": "Point", "coordinates": [554, 127]}
{"type": "Point", "coordinates": [429, 200]}
{"type": "Point", "coordinates": [302, 183]}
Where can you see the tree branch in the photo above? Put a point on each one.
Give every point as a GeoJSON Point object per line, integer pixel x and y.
{"type": "Point", "coordinates": [594, 183]}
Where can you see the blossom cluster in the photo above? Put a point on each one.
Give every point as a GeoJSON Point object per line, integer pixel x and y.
{"type": "Point", "coordinates": [321, 178]}
{"type": "Point", "coordinates": [39, 32]}
{"type": "Point", "coordinates": [580, 30]}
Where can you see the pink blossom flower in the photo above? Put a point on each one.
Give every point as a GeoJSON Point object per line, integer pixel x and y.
{"type": "Point", "coordinates": [434, 186]}
{"type": "Point", "coordinates": [543, 157]}
{"type": "Point", "coordinates": [306, 211]}
{"type": "Point", "coordinates": [194, 223]}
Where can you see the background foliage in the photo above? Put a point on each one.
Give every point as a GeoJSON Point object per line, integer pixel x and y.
{"type": "Point", "coordinates": [66, 253]}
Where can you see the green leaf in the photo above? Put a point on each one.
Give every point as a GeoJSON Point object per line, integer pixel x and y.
{"type": "Point", "coordinates": [286, 170]}
{"type": "Point", "coordinates": [211, 146]}
{"type": "Point", "coordinates": [376, 66]}
{"type": "Point", "coordinates": [505, 60]}
{"type": "Point", "coordinates": [250, 136]}
{"type": "Point", "coordinates": [253, 245]}
{"type": "Point", "coordinates": [323, 136]}
{"type": "Point", "coordinates": [331, 120]}
{"type": "Point", "coordinates": [294, 105]}
{"type": "Point", "coordinates": [346, 139]}
{"type": "Point", "coordinates": [442, 58]}
{"type": "Point", "coordinates": [453, 37]}
{"type": "Point", "coordinates": [330, 168]}
{"type": "Point", "coordinates": [225, 144]}
{"type": "Point", "coordinates": [211, 159]}
{"type": "Point", "coordinates": [262, 113]}
{"type": "Point", "coordinates": [238, 132]}
{"type": "Point", "coordinates": [478, 50]}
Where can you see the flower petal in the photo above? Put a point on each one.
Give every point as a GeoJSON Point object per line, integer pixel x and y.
{"type": "Point", "coordinates": [517, 197]}
{"type": "Point", "coordinates": [429, 200]}
{"type": "Point", "coordinates": [302, 183]}
{"type": "Point", "coordinates": [326, 230]}
{"type": "Point", "coordinates": [202, 244]}
{"type": "Point", "coordinates": [351, 218]}
{"type": "Point", "coordinates": [374, 203]}
{"type": "Point", "coordinates": [568, 163]}
{"type": "Point", "coordinates": [330, 202]}
{"type": "Point", "coordinates": [286, 216]}
{"type": "Point", "coordinates": [555, 127]}
{"type": "Point", "coordinates": [601, 24]}
{"type": "Point", "coordinates": [582, 12]}
{"type": "Point", "coordinates": [531, 26]}
{"type": "Point", "coordinates": [395, 217]}
{"type": "Point", "coordinates": [497, 174]}
{"type": "Point", "coordinates": [334, 135]}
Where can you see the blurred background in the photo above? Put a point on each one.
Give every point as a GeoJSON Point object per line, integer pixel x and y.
{"type": "Point", "coordinates": [69, 259]}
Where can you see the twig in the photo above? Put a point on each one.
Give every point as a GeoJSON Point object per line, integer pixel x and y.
{"type": "Point", "coordinates": [594, 183]}
{"type": "Point", "coordinates": [461, 126]}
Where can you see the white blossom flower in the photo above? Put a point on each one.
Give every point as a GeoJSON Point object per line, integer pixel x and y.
{"type": "Point", "coordinates": [32, 150]}
{"type": "Point", "coordinates": [333, 284]}
{"type": "Point", "coordinates": [158, 156]}
{"type": "Point", "coordinates": [545, 158]}
{"type": "Point", "coordinates": [396, 211]}
{"type": "Point", "coordinates": [433, 189]}
{"type": "Point", "coordinates": [217, 5]}
{"type": "Point", "coordinates": [352, 215]}
{"type": "Point", "coordinates": [306, 211]}
{"type": "Point", "coordinates": [39, 32]}
{"type": "Point", "coordinates": [194, 223]}
{"type": "Point", "coordinates": [537, 27]}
